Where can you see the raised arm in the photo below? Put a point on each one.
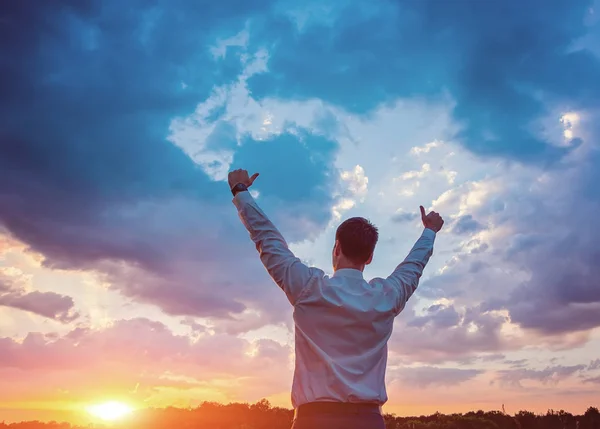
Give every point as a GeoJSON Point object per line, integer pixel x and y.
{"type": "Point", "coordinates": [285, 269]}
{"type": "Point", "coordinates": [405, 277]}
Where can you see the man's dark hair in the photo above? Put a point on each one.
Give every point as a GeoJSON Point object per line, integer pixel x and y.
{"type": "Point", "coordinates": [357, 237]}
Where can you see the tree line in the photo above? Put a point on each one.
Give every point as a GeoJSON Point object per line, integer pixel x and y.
{"type": "Point", "coordinates": [262, 415]}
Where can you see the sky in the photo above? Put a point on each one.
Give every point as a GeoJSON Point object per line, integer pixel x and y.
{"type": "Point", "coordinates": [125, 273]}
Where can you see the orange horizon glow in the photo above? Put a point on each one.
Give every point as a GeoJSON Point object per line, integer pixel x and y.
{"type": "Point", "coordinates": [110, 411]}
{"type": "Point", "coordinates": [115, 411]}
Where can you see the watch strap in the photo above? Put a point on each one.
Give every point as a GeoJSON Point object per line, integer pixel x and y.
{"type": "Point", "coordinates": [240, 187]}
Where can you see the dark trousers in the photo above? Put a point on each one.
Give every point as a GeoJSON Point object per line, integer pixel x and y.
{"type": "Point", "coordinates": [338, 416]}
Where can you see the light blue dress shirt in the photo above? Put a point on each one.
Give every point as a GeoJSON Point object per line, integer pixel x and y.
{"type": "Point", "coordinates": [342, 322]}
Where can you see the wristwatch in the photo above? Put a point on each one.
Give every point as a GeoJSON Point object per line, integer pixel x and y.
{"type": "Point", "coordinates": [240, 187]}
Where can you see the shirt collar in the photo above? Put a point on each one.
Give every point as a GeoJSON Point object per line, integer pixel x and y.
{"type": "Point", "coordinates": [349, 272]}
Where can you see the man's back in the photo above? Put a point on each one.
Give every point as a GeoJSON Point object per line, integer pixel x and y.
{"type": "Point", "coordinates": [343, 324]}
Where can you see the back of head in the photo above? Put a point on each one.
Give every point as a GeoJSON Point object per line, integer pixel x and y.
{"type": "Point", "coordinates": [357, 238]}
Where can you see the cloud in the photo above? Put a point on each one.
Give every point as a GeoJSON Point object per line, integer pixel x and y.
{"type": "Point", "coordinates": [439, 316]}
{"type": "Point", "coordinates": [402, 216]}
{"type": "Point", "coordinates": [426, 148]}
{"type": "Point", "coordinates": [91, 180]}
{"type": "Point", "coordinates": [427, 376]}
{"type": "Point", "coordinates": [500, 72]}
{"type": "Point", "coordinates": [143, 353]}
{"type": "Point", "coordinates": [354, 189]}
{"type": "Point", "coordinates": [561, 295]}
{"type": "Point", "coordinates": [519, 363]}
{"type": "Point", "coordinates": [593, 380]}
{"type": "Point", "coordinates": [531, 259]}
{"type": "Point", "coordinates": [550, 375]}
{"type": "Point", "coordinates": [7, 243]}
{"type": "Point", "coordinates": [14, 293]}
{"type": "Point", "coordinates": [416, 174]}
{"type": "Point", "coordinates": [47, 304]}
{"type": "Point", "coordinates": [466, 225]}
{"type": "Point", "coordinates": [356, 181]}
{"type": "Point", "coordinates": [445, 334]}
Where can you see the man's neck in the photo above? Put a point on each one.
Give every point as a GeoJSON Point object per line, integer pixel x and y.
{"type": "Point", "coordinates": [342, 266]}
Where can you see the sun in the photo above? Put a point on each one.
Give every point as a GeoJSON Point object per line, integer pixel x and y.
{"type": "Point", "coordinates": [110, 411]}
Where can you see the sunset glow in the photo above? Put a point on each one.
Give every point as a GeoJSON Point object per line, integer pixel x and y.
{"type": "Point", "coordinates": [110, 411]}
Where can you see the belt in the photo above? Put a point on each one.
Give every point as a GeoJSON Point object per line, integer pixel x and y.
{"type": "Point", "coordinates": [313, 408]}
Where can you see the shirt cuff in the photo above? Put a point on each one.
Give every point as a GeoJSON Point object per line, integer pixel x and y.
{"type": "Point", "coordinates": [429, 233]}
{"type": "Point", "coordinates": [242, 198]}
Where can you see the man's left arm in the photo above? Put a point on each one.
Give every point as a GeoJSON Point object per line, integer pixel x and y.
{"type": "Point", "coordinates": [406, 276]}
{"type": "Point", "coordinates": [290, 274]}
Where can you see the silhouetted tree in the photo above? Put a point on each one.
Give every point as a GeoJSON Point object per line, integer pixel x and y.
{"type": "Point", "coordinates": [591, 419]}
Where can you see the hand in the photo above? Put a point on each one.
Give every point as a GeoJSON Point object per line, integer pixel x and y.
{"type": "Point", "coordinates": [240, 176]}
{"type": "Point", "coordinates": [432, 221]}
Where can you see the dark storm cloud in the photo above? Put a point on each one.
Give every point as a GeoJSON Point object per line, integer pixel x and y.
{"type": "Point", "coordinates": [494, 58]}
{"type": "Point", "coordinates": [87, 176]}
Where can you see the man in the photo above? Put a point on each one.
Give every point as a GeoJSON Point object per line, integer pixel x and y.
{"type": "Point", "coordinates": [342, 322]}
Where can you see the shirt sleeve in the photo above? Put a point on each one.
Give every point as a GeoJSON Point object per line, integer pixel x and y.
{"type": "Point", "coordinates": [405, 278]}
{"type": "Point", "coordinates": [290, 274]}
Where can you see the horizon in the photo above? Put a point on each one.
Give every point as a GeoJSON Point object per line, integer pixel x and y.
{"type": "Point", "coordinates": [127, 277]}
{"type": "Point", "coordinates": [77, 418]}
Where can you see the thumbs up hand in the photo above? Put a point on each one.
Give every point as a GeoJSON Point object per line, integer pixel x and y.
{"type": "Point", "coordinates": [241, 176]}
{"type": "Point", "coordinates": [432, 220]}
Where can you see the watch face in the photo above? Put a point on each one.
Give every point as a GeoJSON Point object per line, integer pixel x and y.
{"type": "Point", "coordinates": [238, 188]}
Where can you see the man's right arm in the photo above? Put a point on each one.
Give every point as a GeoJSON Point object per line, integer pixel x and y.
{"type": "Point", "coordinates": [405, 277]}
